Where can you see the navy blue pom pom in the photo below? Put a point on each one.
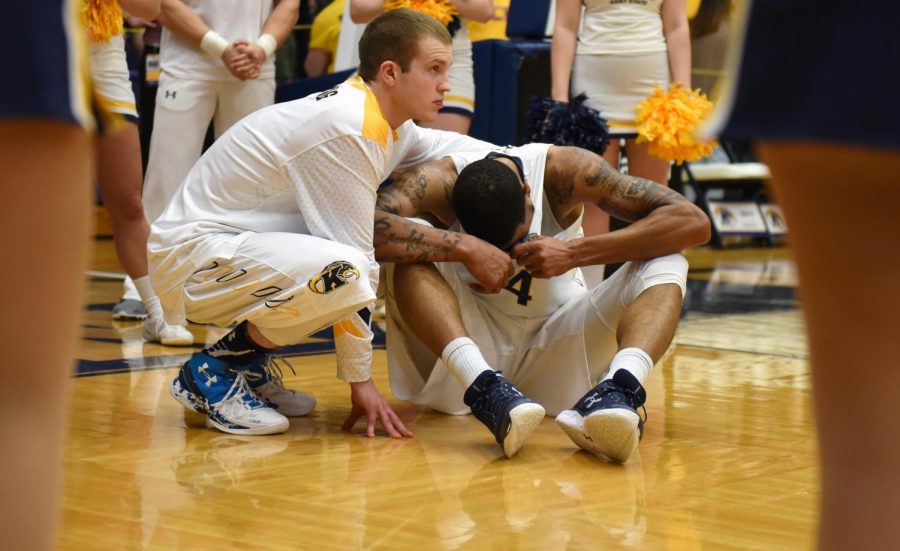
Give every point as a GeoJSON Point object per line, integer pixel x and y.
{"type": "Point", "coordinates": [573, 123]}
{"type": "Point", "coordinates": [454, 25]}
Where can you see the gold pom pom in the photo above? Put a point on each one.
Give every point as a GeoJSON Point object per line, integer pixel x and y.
{"type": "Point", "coordinates": [667, 122]}
{"type": "Point", "coordinates": [103, 19]}
{"type": "Point", "coordinates": [442, 10]}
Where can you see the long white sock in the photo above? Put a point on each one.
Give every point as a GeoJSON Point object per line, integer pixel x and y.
{"type": "Point", "coordinates": [130, 291]}
{"type": "Point", "coordinates": [633, 360]}
{"type": "Point", "coordinates": [464, 360]}
{"type": "Point", "coordinates": [148, 297]}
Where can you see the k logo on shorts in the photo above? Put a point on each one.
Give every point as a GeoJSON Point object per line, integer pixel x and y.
{"type": "Point", "coordinates": [333, 276]}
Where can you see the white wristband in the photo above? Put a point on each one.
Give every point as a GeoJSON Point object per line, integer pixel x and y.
{"type": "Point", "coordinates": [213, 44]}
{"type": "Point", "coordinates": [268, 43]}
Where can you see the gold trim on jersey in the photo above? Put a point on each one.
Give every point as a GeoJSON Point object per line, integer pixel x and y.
{"type": "Point", "coordinates": [375, 125]}
{"type": "Point", "coordinates": [346, 326]}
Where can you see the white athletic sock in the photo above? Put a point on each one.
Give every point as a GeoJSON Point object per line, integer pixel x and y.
{"type": "Point", "coordinates": [148, 297]}
{"type": "Point", "coordinates": [633, 360]}
{"type": "Point", "coordinates": [464, 360]}
{"type": "Point", "coordinates": [130, 291]}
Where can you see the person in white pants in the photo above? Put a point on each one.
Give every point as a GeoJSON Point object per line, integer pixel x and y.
{"type": "Point", "coordinates": [217, 65]}
{"type": "Point", "coordinates": [501, 290]}
{"type": "Point", "coordinates": [272, 229]}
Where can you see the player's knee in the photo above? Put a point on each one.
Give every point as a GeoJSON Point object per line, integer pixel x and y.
{"type": "Point", "coordinates": [126, 208]}
{"type": "Point", "coordinates": [669, 269]}
{"type": "Point", "coordinates": [133, 209]}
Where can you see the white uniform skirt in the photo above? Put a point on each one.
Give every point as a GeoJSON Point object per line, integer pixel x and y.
{"type": "Point", "coordinates": [461, 97]}
{"type": "Point", "coordinates": [616, 84]}
{"type": "Point", "coordinates": [109, 74]}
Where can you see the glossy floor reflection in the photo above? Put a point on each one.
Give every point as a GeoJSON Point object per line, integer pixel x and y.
{"type": "Point", "coordinates": [727, 462]}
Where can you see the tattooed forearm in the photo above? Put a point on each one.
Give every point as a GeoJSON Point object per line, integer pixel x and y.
{"type": "Point", "coordinates": [388, 200]}
{"type": "Point", "coordinates": [415, 190]}
{"type": "Point", "coordinates": [631, 198]}
{"type": "Point", "coordinates": [400, 240]}
{"type": "Point", "coordinates": [579, 175]}
{"type": "Point", "coordinates": [405, 195]}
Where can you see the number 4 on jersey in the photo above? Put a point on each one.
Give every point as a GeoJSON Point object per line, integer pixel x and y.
{"type": "Point", "coordinates": [523, 280]}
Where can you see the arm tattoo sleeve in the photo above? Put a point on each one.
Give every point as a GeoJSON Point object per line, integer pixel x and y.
{"type": "Point", "coordinates": [626, 197]}
{"type": "Point", "coordinates": [400, 240]}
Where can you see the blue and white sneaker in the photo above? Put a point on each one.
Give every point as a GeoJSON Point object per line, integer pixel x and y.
{"type": "Point", "coordinates": [266, 381]}
{"type": "Point", "coordinates": [605, 420]}
{"type": "Point", "coordinates": [207, 385]}
{"type": "Point", "coordinates": [510, 415]}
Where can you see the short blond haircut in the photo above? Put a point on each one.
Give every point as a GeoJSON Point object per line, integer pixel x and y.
{"type": "Point", "coordinates": [394, 36]}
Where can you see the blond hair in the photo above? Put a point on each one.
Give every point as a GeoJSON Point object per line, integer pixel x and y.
{"type": "Point", "coordinates": [394, 36]}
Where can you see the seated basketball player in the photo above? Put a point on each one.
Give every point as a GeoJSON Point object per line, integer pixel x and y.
{"type": "Point", "coordinates": [272, 229]}
{"type": "Point", "coordinates": [507, 295]}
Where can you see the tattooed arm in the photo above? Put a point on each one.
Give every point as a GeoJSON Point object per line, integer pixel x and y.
{"type": "Point", "coordinates": [663, 221]}
{"type": "Point", "coordinates": [425, 192]}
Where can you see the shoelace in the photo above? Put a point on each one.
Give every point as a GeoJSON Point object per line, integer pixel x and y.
{"type": "Point", "coordinates": [498, 394]}
{"type": "Point", "coordinates": [273, 369]}
{"type": "Point", "coordinates": [630, 394]}
{"type": "Point", "coordinates": [242, 392]}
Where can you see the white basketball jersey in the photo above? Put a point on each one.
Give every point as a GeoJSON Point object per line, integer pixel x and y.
{"type": "Point", "coordinates": [527, 296]}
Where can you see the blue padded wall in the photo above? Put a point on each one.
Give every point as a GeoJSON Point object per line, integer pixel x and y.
{"type": "Point", "coordinates": [507, 74]}
{"type": "Point", "coordinates": [527, 18]}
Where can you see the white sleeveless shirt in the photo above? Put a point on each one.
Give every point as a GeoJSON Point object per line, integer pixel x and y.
{"type": "Point", "coordinates": [621, 27]}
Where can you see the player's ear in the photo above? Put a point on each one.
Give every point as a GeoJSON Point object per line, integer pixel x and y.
{"type": "Point", "coordinates": [526, 188]}
{"type": "Point", "coordinates": [389, 71]}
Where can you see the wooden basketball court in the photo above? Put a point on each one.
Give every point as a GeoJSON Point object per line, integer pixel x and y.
{"type": "Point", "coordinates": [728, 459]}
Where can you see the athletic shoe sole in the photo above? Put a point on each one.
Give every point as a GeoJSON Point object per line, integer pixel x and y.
{"type": "Point", "coordinates": [572, 423]}
{"type": "Point", "coordinates": [232, 428]}
{"type": "Point", "coordinates": [614, 431]}
{"type": "Point", "coordinates": [523, 420]}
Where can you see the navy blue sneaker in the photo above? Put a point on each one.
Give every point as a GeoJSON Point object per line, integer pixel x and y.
{"type": "Point", "coordinates": [265, 380]}
{"type": "Point", "coordinates": [605, 421]}
{"type": "Point", "coordinates": [211, 386]}
{"type": "Point", "coordinates": [509, 414]}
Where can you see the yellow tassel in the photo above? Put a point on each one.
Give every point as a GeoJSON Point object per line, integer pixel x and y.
{"type": "Point", "coordinates": [442, 10]}
{"type": "Point", "coordinates": [103, 19]}
{"type": "Point", "coordinates": [667, 122]}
